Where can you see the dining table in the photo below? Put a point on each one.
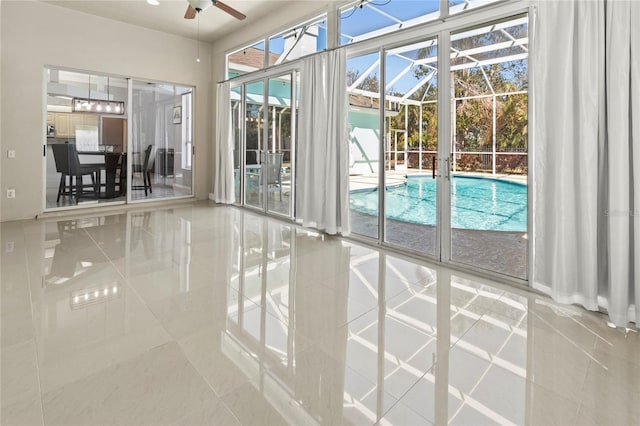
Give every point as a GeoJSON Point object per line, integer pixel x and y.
{"type": "Point", "coordinates": [111, 162]}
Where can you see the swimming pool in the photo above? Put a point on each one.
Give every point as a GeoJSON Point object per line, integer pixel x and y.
{"type": "Point", "coordinates": [476, 203]}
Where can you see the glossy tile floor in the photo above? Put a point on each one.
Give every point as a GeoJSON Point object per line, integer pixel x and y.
{"type": "Point", "coordinates": [211, 315]}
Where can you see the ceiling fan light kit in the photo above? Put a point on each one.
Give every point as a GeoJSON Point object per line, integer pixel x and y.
{"type": "Point", "coordinates": [200, 4]}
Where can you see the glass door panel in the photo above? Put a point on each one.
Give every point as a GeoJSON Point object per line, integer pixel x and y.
{"type": "Point", "coordinates": [363, 92]}
{"type": "Point", "coordinates": [86, 131]}
{"type": "Point", "coordinates": [411, 140]}
{"type": "Point", "coordinates": [489, 173]}
{"type": "Point", "coordinates": [254, 144]}
{"type": "Point", "coordinates": [279, 146]}
{"type": "Point", "coordinates": [161, 153]}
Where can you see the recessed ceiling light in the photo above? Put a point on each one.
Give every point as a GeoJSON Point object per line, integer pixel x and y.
{"type": "Point", "coordinates": [153, 2]}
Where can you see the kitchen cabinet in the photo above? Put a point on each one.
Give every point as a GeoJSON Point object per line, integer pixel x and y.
{"type": "Point", "coordinates": [67, 123]}
{"type": "Point", "coordinates": [51, 120]}
{"type": "Point", "coordinates": [90, 119]}
{"type": "Point", "coordinates": [61, 121]}
{"type": "Point", "coordinates": [75, 120]}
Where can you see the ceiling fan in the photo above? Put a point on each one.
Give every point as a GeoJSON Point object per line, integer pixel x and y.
{"type": "Point", "coordinates": [197, 6]}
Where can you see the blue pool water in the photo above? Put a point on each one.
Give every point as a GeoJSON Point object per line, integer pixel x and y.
{"type": "Point", "coordinates": [476, 203]}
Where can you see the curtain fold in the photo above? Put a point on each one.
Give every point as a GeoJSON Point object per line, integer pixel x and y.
{"type": "Point", "coordinates": [322, 195]}
{"type": "Point", "coordinates": [585, 191]}
{"type": "Point", "coordinates": [223, 184]}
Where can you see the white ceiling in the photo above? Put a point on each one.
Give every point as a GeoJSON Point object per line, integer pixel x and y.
{"type": "Point", "coordinates": [168, 17]}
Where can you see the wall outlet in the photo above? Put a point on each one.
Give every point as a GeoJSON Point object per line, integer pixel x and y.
{"type": "Point", "coordinates": [11, 193]}
{"type": "Point", "coordinates": [11, 153]}
{"type": "Point", "coordinates": [10, 247]}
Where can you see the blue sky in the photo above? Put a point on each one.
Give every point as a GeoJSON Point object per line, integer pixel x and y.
{"type": "Point", "coordinates": [364, 20]}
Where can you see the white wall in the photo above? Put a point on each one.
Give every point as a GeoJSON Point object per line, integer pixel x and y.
{"type": "Point", "coordinates": [35, 34]}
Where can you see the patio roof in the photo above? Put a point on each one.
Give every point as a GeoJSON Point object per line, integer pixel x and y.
{"type": "Point", "coordinates": [505, 45]}
{"type": "Point", "coordinates": [478, 48]}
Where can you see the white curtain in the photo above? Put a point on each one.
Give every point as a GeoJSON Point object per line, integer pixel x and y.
{"type": "Point", "coordinates": [322, 196]}
{"type": "Point", "coordinates": [586, 189]}
{"type": "Point", "coordinates": [223, 185]}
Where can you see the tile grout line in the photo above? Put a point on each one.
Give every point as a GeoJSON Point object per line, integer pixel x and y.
{"type": "Point", "coordinates": [33, 325]}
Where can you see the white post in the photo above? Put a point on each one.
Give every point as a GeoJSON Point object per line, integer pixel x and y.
{"type": "Point", "coordinates": [493, 149]}
{"type": "Point", "coordinates": [274, 140]}
{"type": "Point", "coordinates": [420, 137]}
{"type": "Point", "coordinates": [453, 120]}
{"type": "Point", "coordinates": [453, 133]}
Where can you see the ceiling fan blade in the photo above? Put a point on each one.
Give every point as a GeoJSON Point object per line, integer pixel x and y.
{"type": "Point", "coordinates": [190, 13]}
{"type": "Point", "coordinates": [231, 11]}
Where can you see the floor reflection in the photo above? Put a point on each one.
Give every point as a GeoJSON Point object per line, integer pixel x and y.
{"type": "Point", "coordinates": [275, 324]}
{"type": "Point", "coordinates": [353, 336]}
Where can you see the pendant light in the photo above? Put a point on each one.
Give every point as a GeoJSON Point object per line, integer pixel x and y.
{"type": "Point", "coordinates": [108, 96]}
{"type": "Point", "coordinates": [97, 106]}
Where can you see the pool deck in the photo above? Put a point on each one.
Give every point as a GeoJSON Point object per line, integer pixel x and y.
{"type": "Point", "coordinates": [499, 251]}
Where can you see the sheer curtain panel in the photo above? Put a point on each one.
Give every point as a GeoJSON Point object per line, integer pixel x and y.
{"type": "Point", "coordinates": [586, 188]}
{"type": "Point", "coordinates": [223, 190]}
{"type": "Point", "coordinates": [322, 197]}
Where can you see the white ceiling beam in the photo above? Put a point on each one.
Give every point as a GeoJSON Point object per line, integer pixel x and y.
{"type": "Point", "coordinates": [383, 13]}
{"type": "Point", "coordinates": [376, 95]}
{"type": "Point", "coordinates": [484, 74]}
{"type": "Point", "coordinates": [489, 61]}
{"type": "Point", "coordinates": [421, 83]}
{"type": "Point", "coordinates": [512, 38]}
{"type": "Point", "coordinates": [415, 46]}
{"type": "Point", "coordinates": [434, 16]}
{"type": "Point", "coordinates": [364, 75]}
{"type": "Point", "coordinates": [474, 51]}
{"type": "Point", "coordinates": [494, 47]}
{"type": "Point", "coordinates": [406, 24]}
{"type": "Point", "coordinates": [489, 28]}
{"type": "Point", "coordinates": [398, 77]}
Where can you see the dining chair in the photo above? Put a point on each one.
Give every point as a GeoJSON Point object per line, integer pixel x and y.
{"type": "Point", "coordinates": [68, 165]}
{"type": "Point", "coordinates": [274, 172]}
{"type": "Point", "coordinates": [144, 169]}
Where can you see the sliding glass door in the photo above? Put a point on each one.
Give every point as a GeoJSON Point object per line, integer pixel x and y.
{"type": "Point", "coordinates": [268, 143]}
{"type": "Point", "coordinates": [115, 140]}
{"type": "Point", "coordinates": [411, 139]}
{"type": "Point", "coordinates": [452, 157]}
{"type": "Point", "coordinates": [488, 149]}
{"type": "Point", "coordinates": [161, 152]}
{"type": "Point", "coordinates": [363, 93]}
